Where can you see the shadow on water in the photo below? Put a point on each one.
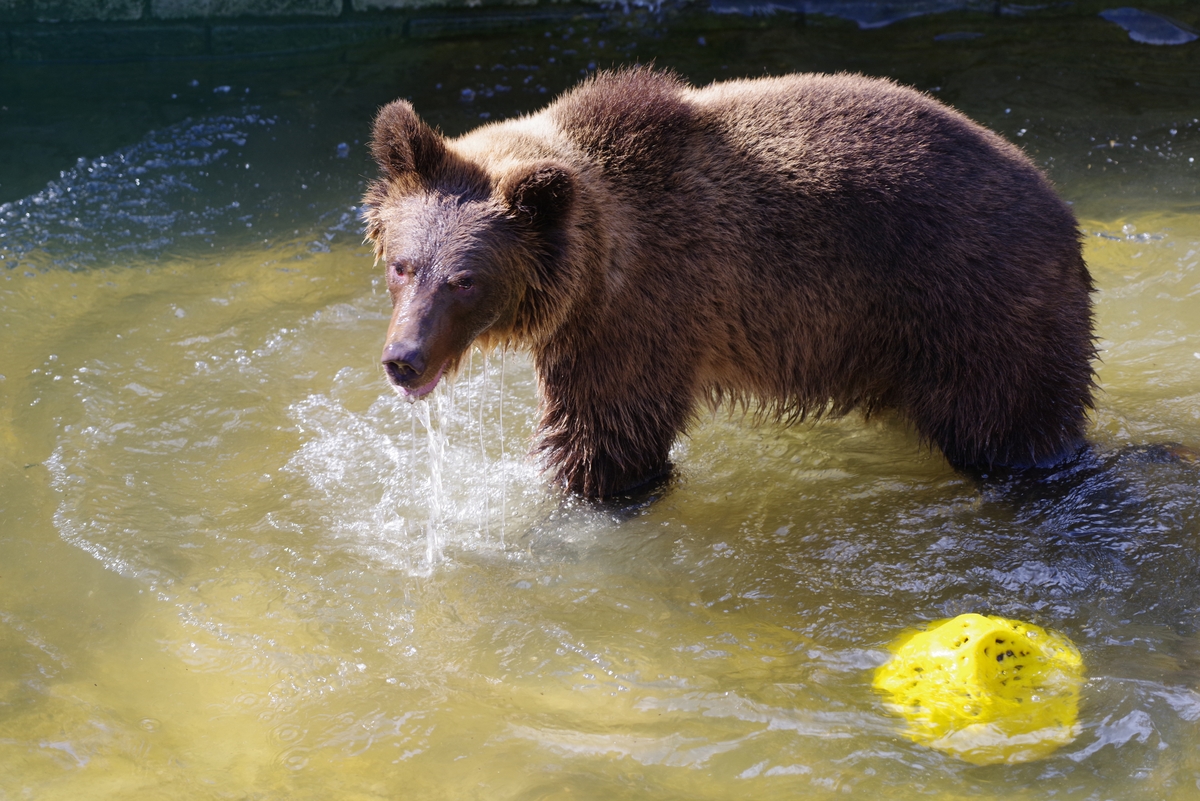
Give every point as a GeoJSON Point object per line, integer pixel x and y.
{"type": "Point", "coordinates": [635, 500]}
{"type": "Point", "coordinates": [1100, 496]}
{"type": "Point", "coordinates": [1126, 516]}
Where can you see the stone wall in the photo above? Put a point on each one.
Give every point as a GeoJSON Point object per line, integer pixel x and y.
{"type": "Point", "coordinates": [57, 31]}
{"type": "Point", "coordinates": [60, 11]}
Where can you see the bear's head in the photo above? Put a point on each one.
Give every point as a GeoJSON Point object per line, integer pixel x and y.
{"type": "Point", "coordinates": [471, 247]}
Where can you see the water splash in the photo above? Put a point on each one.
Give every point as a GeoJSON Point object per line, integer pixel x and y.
{"type": "Point", "coordinates": [199, 187]}
{"type": "Point", "coordinates": [441, 467]}
{"type": "Point", "coordinates": [162, 191]}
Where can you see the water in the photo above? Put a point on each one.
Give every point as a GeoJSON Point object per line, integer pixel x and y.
{"type": "Point", "coordinates": [231, 567]}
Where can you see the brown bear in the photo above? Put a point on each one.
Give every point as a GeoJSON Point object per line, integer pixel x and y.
{"type": "Point", "coordinates": [803, 245]}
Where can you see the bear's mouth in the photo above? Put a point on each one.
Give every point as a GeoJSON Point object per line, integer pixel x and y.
{"type": "Point", "coordinates": [415, 393]}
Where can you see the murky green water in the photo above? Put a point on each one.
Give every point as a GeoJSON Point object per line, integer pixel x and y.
{"type": "Point", "coordinates": [230, 568]}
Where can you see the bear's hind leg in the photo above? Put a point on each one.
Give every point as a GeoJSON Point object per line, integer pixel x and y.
{"type": "Point", "coordinates": [984, 421]}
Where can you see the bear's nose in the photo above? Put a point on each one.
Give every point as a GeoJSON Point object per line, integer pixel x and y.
{"type": "Point", "coordinates": [403, 364]}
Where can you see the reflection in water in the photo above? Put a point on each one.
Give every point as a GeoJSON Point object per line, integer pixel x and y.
{"type": "Point", "coordinates": [235, 564]}
{"type": "Point", "coordinates": [1148, 27]}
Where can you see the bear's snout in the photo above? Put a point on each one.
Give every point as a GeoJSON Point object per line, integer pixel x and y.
{"type": "Point", "coordinates": [407, 370]}
{"type": "Point", "coordinates": [404, 364]}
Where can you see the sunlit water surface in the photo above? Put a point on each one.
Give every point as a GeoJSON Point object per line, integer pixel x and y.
{"type": "Point", "coordinates": [233, 565]}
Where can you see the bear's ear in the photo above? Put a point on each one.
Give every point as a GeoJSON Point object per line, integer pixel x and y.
{"type": "Point", "coordinates": [540, 193]}
{"type": "Point", "coordinates": [403, 144]}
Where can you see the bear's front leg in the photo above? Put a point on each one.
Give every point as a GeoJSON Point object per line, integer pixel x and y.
{"type": "Point", "coordinates": [607, 426]}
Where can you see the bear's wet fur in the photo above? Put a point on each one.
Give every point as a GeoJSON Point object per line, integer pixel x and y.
{"type": "Point", "coordinates": [801, 245]}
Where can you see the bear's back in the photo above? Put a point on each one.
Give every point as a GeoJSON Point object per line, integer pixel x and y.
{"type": "Point", "coordinates": [881, 164]}
{"type": "Point", "coordinates": [828, 168]}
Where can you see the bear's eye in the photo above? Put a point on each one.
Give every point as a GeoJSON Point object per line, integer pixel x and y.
{"type": "Point", "coordinates": [462, 282]}
{"type": "Point", "coordinates": [402, 270]}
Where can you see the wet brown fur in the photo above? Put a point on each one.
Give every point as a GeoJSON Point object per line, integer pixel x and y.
{"type": "Point", "coordinates": [804, 245]}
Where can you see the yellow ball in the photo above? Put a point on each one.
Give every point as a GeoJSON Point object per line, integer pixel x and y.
{"type": "Point", "coordinates": [985, 689]}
